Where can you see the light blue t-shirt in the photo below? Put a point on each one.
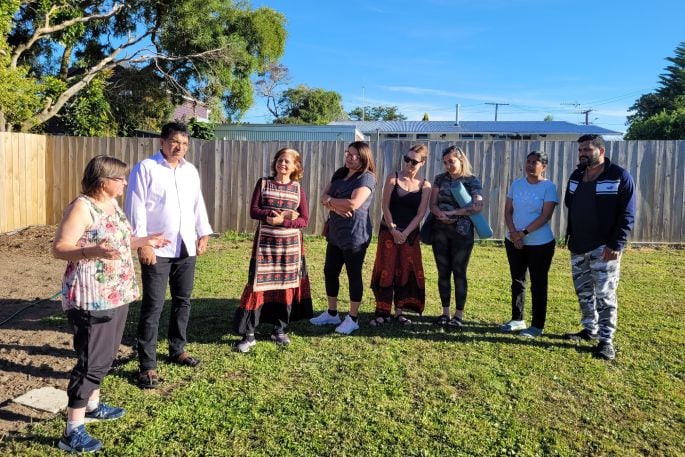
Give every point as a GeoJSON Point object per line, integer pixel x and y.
{"type": "Point", "coordinates": [528, 200]}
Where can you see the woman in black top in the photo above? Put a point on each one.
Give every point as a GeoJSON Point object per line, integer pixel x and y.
{"type": "Point", "coordinates": [398, 270]}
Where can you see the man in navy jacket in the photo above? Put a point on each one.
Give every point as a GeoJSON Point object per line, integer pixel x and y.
{"type": "Point", "coordinates": [600, 197]}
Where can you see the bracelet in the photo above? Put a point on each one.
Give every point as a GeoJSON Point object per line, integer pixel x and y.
{"type": "Point", "coordinates": [83, 253]}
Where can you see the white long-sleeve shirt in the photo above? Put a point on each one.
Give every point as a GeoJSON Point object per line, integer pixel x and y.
{"type": "Point", "coordinates": [164, 199]}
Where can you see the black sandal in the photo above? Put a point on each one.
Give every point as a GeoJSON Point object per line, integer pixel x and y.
{"type": "Point", "coordinates": [378, 321]}
{"type": "Point", "coordinates": [403, 320]}
{"type": "Point", "coordinates": [442, 320]}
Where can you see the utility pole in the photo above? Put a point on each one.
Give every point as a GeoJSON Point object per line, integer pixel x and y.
{"type": "Point", "coordinates": [587, 113]}
{"type": "Point", "coordinates": [363, 103]}
{"type": "Point", "coordinates": [497, 105]}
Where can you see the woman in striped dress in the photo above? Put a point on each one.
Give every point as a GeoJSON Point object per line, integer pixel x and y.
{"type": "Point", "coordinates": [277, 290]}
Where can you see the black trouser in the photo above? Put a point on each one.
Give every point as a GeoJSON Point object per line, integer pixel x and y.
{"type": "Point", "coordinates": [180, 274]}
{"type": "Point", "coordinates": [537, 260]}
{"type": "Point", "coordinates": [452, 253]}
{"type": "Point", "coordinates": [97, 336]}
{"type": "Point", "coordinates": [353, 259]}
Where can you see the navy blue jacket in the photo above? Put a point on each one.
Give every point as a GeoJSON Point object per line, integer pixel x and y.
{"type": "Point", "coordinates": [615, 198]}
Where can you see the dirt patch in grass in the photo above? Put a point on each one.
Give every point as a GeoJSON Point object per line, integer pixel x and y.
{"type": "Point", "coordinates": [35, 350]}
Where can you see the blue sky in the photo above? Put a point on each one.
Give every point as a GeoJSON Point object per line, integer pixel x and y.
{"type": "Point", "coordinates": [542, 57]}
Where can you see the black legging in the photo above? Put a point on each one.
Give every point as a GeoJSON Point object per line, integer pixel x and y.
{"type": "Point", "coordinates": [452, 253]}
{"type": "Point", "coordinates": [353, 259]}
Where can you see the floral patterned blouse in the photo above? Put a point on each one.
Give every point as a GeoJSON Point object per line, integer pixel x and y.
{"type": "Point", "coordinates": [98, 284]}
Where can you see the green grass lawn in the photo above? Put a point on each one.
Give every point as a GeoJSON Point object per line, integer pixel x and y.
{"type": "Point", "coordinates": [417, 391]}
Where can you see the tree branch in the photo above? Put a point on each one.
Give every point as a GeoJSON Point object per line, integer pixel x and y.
{"type": "Point", "coordinates": [47, 29]}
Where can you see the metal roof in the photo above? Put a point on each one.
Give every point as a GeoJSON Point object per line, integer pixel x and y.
{"type": "Point", "coordinates": [287, 132]}
{"type": "Point", "coordinates": [487, 127]}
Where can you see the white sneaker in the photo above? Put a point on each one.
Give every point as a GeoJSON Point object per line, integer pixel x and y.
{"type": "Point", "coordinates": [348, 326]}
{"type": "Point", "coordinates": [513, 326]}
{"type": "Point", "coordinates": [325, 319]}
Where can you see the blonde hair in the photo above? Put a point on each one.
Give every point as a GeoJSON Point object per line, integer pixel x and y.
{"type": "Point", "coordinates": [421, 150]}
{"type": "Point", "coordinates": [466, 169]}
{"type": "Point", "coordinates": [297, 174]}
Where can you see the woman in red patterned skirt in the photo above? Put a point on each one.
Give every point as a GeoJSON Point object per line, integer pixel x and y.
{"type": "Point", "coordinates": [277, 289]}
{"type": "Point", "coordinates": [398, 270]}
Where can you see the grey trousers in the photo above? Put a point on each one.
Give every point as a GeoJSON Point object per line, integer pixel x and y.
{"type": "Point", "coordinates": [596, 282]}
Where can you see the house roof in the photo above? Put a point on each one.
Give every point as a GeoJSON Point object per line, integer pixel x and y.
{"type": "Point", "coordinates": [485, 127]}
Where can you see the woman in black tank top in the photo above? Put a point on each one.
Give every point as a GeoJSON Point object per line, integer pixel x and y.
{"type": "Point", "coordinates": [398, 270]}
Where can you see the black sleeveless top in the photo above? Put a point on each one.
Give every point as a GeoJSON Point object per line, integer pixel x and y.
{"type": "Point", "coordinates": [404, 207]}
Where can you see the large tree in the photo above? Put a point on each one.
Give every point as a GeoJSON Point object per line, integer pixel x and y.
{"type": "Point", "coordinates": [207, 49]}
{"type": "Point", "coordinates": [305, 105]}
{"type": "Point", "coordinates": [377, 113]}
{"type": "Point", "coordinates": [661, 115]}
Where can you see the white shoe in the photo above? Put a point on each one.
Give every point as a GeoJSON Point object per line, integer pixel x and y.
{"type": "Point", "coordinates": [348, 326]}
{"type": "Point", "coordinates": [513, 326]}
{"type": "Point", "coordinates": [325, 319]}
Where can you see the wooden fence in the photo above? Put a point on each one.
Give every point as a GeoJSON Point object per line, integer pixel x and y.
{"type": "Point", "coordinates": [40, 175]}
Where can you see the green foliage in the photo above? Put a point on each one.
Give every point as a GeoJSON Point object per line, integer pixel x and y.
{"type": "Point", "coordinates": [407, 391]}
{"type": "Point", "coordinates": [206, 48]}
{"type": "Point", "coordinates": [666, 125]}
{"type": "Point", "coordinates": [658, 115]}
{"type": "Point", "coordinates": [305, 105]}
{"type": "Point", "coordinates": [425, 117]}
{"type": "Point", "coordinates": [139, 99]}
{"type": "Point", "coordinates": [89, 114]}
{"type": "Point", "coordinates": [201, 130]}
{"type": "Point", "coordinates": [548, 118]}
{"type": "Point", "coordinates": [378, 113]}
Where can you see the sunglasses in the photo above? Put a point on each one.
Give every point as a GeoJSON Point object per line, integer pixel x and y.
{"type": "Point", "coordinates": [408, 159]}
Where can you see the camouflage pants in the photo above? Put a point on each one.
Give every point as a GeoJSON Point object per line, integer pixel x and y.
{"type": "Point", "coordinates": [596, 282]}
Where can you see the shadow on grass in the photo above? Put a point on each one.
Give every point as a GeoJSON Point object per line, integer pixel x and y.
{"type": "Point", "coordinates": [211, 321]}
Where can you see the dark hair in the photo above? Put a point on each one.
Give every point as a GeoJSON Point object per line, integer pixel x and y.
{"type": "Point", "coordinates": [540, 156]}
{"type": "Point", "coordinates": [98, 169]}
{"type": "Point", "coordinates": [170, 128]}
{"type": "Point", "coordinates": [365, 157]}
{"type": "Point", "coordinates": [299, 172]}
{"type": "Point", "coordinates": [596, 140]}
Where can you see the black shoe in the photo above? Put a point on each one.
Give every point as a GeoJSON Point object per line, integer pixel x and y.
{"type": "Point", "coordinates": [455, 322]}
{"type": "Point", "coordinates": [604, 350]}
{"type": "Point", "coordinates": [281, 338]}
{"type": "Point", "coordinates": [583, 335]}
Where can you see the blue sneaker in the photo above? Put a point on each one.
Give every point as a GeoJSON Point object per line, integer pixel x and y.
{"type": "Point", "coordinates": [531, 332]}
{"type": "Point", "coordinates": [79, 441]}
{"type": "Point", "coordinates": [104, 412]}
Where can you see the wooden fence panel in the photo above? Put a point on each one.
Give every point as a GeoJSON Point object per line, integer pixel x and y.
{"type": "Point", "coordinates": [22, 180]}
{"type": "Point", "coordinates": [40, 175]}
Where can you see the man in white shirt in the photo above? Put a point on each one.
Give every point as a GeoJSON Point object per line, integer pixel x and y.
{"type": "Point", "coordinates": [164, 196]}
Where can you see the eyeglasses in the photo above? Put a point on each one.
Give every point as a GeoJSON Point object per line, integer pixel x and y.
{"type": "Point", "coordinates": [351, 156]}
{"type": "Point", "coordinates": [117, 178]}
{"type": "Point", "coordinates": [408, 159]}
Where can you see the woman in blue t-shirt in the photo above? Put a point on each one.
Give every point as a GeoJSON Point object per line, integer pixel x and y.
{"type": "Point", "coordinates": [530, 242]}
{"type": "Point", "coordinates": [348, 198]}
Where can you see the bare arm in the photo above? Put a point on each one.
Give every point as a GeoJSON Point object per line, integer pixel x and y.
{"type": "Point", "coordinates": [75, 222]}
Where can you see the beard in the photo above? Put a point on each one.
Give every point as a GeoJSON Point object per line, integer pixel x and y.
{"type": "Point", "coordinates": [585, 162]}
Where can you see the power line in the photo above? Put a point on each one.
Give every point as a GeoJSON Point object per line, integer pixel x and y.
{"type": "Point", "coordinates": [497, 105]}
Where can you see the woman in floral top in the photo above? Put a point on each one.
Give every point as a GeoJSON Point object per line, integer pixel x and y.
{"type": "Point", "coordinates": [94, 237]}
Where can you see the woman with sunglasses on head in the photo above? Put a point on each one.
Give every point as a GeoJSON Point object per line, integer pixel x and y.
{"type": "Point", "coordinates": [398, 270]}
{"type": "Point", "coordinates": [95, 239]}
{"type": "Point", "coordinates": [453, 231]}
{"type": "Point", "coordinates": [530, 242]}
{"type": "Point", "coordinates": [348, 198]}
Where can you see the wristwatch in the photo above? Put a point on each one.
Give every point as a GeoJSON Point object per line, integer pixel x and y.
{"type": "Point", "coordinates": [525, 232]}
